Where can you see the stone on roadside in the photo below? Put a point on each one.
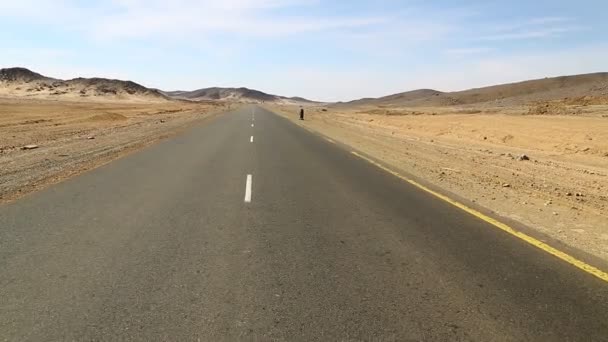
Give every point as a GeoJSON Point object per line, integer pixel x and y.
{"type": "Point", "coordinates": [523, 157]}
{"type": "Point", "coordinates": [29, 147]}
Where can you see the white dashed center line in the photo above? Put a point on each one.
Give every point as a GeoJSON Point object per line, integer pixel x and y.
{"type": "Point", "coordinates": [252, 138]}
{"type": "Point", "coordinates": [248, 189]}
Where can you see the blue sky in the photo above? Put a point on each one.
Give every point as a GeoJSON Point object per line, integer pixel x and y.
{"type": "Point", "coordinates": [321, 49]}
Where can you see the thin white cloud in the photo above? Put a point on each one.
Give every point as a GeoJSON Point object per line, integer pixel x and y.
{"type": "Point", "coordinates": [533, 33]}
{"type": "Point", "coordinates": [532, 28]}
{"type": "Point", "coordinates": [549, 20]}
{"type": "Point", "coordinates": [461, 52]}
{"type": "Point", "coordinates": [527, 23]}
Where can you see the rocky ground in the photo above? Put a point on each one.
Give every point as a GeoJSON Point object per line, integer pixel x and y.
{"type": "Point", "coordinates": [549, 172]}
{"type": "Point", "coordinates": [43, 142]}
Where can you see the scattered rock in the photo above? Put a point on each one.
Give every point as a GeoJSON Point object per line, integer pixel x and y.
{"type": "Point", "coordinates": [549, 202]}
{"type": "Point", "coordinates": [29, 147]}
{"type": "Point", "coordinates": [91, 138]}
{"type": "Point", "coordinates": [568, 194]}
{"type": "Point", "coordinates": [506, 185]}
{"type": "Point", "coordinates": [523, 157]}
{"type": "Point", "coordinates": [163, 120]}
{"type": "Point", "coordinates": [555, 213]}
{"type": "Point", "coordinates": [579, 194]}
{"type": "Point", "coordinates": [506, 138]}
{"type": "Point", "coordinates": [451, 170]}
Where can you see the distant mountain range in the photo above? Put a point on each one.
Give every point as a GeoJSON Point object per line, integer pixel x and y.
{"type": "Point", "coordinates": [236, 95]}
{"type": "Point", "coordinates": [21, 82]}
{"type": "Point", "coordinates": [556, 88]}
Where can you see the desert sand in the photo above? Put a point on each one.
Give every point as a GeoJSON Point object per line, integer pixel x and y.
{"type": "Point", "coordinates": [43, 142]}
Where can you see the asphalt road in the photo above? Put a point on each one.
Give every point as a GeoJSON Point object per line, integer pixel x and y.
{"type": "Point", "coordinates": [164, 245]}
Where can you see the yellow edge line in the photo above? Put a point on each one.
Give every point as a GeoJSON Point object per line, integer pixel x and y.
{"type": "Point", "coordinates": [525, 237]}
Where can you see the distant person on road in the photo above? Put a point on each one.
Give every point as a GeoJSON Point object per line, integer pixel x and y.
{"type": "Point", "coordinates": [301, 113]}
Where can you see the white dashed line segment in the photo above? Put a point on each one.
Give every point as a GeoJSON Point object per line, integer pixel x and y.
{"type": "Point", "coordinates": [248, 189]}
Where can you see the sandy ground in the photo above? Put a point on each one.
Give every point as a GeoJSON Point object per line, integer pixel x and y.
{"type": "Point", "coordinates": [73, 137]}
{"type": "Point", "coordinates": [562, 191]}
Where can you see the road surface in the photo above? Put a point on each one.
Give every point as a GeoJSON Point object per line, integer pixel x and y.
{"type": "Point", "coordinates": [249, 227]}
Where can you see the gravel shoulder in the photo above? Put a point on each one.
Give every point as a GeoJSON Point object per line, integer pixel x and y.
{"type": "Point", "coordinates": [561, 191]}
{"type": "Point", "coordinates": [44, 142]}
